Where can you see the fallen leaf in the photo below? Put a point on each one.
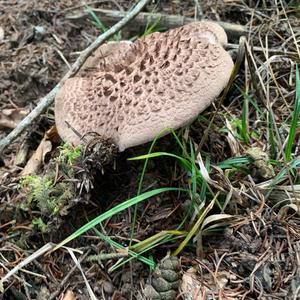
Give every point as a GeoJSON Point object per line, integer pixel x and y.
{"type": "Point", "coordinates": [38, 156]}
{"type": "Point", "coordinates": [9, 118]}
{"type": "Point", "coordinates": [232, 141]}
{"type": "Point", "coordinates": [21, 156]}
{"type": "Point", "coordinates": [69, 295]}
{"type": "Point", "coordinates": [191, 286]}
{"type": "Point", "coordinates": [53, 136]}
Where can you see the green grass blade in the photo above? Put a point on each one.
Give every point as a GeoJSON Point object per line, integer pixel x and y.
{"type": "Point", "coordinates": [235, 162]}
{"type": "Point", "coordinates": [122, 206]}
{"type": "Point", "coordinates": [153, 27]}
{"type": "Point", "coordinates": [295, 118]}
{"type": "Point", "coordinates": [194, 229]}
{"type": "Point", "coordinates": [155, 154]}
{"type": "Point", "coordinates": [193, 172]}
{"type": "Point", "coordinates": [116, 245]}
{"type": "Point", "coordinates": [169, 236]}
{"type": "Point", "coordinates": [245, 126]}
{"type": "Point", "coordinates": [97, 21]}
{"type": "Point", "coordinates": [186, 163]}
{"type": "Point", "coordinates": [160, 134]}
{"type": "Point", "coordinates": [145, 244]}
{"type": "Point", "coordinates": [285, 170]}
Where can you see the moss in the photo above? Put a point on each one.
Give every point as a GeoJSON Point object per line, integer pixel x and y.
{"type": "Point", "coordinates": [50, 196]}
{"type": "Point", "coordinates": [69, 154]}
{"type": "Point", "coordinates": [43, 193]}
{"type": "Point", "coordinates": [40, 224]}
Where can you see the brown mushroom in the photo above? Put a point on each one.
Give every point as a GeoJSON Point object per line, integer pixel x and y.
{"type": "Point", "coordinates": [129, 92]}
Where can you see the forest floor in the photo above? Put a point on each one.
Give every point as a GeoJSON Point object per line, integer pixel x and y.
{"type": "Point", "coordinates": [234, 225]}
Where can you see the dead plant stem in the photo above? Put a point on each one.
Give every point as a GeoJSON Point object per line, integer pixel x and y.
{"type": "Point", "coordinates": [233, 31]}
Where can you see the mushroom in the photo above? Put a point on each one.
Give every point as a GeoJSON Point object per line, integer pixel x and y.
{"type": "Point", "coordinates": [129, 92]}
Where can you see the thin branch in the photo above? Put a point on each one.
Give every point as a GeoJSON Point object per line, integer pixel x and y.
{"type": "Point", "coordinates": [46, 101]}
{"type": "Point", "coordinates": [234, 31]}
{"type": "Point", "coordinates": [63, 283]}
{"type": "Point", "coordinates": [25, 262]}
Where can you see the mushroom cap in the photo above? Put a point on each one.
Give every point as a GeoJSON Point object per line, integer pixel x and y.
{"type": "Point", "coordinates": [129, 92]}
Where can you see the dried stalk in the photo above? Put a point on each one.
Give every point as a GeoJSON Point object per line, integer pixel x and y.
{"type": "Point", "coordinates": [168, 21]}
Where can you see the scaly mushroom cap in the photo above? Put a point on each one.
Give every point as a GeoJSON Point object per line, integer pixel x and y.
{"type": "Point", "coordinates": [129, 92]}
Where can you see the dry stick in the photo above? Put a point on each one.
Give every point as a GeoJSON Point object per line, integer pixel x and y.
{"type": "Point", "coordinates": [168, 21]}
{"type": "Point", "coordinates": [46, 101]}
{"type": "Point", "coordinates": [26, 261]}
{"type": "Point", "coordinates": [65, 280]}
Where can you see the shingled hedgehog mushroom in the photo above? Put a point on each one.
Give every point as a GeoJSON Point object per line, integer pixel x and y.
{"type": "Point", "coordinates": [129, 92]}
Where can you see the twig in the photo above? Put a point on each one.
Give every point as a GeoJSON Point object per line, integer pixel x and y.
{"type": "Point", "coordinates": [65, 280]}
{"type": "Point", "coordinates": [25, 262]}
{"type": "Point", "coordinates": [46, 101]}
{"type": "Point", "coordinates": [106, 256]}
{"type": "Point", "coordinates": [26, 288]}
{"type": "Point", "coordinates": [91, 3]}
{"type": "Point", "coordinates": [168, 21]}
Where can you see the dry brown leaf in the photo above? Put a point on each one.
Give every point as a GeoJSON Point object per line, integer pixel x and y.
{"type": "Point", "coordinates": [53, 136]}
{"type": "Point", "coordinates": [191, 286]}
{"type": "Point", "coordinates": [69, 295]}
{"type": "Point", "coordinates": [232, 141]}
{"type": "Point", "coordinates": [21, 156]}
{"type": "Point", "coordinates": [9, 118]}
{"type": "Point", "coordinates": [38, 156]}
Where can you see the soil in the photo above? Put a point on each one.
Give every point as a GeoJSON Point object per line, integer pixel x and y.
{"type": "Point", "coordinates": [254, 256]}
